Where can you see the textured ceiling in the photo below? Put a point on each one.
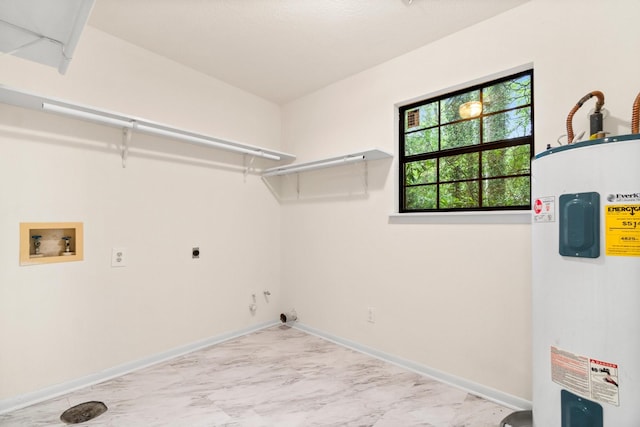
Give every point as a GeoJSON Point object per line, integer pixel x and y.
{"type": "Point", "coordinates": [283, 49]}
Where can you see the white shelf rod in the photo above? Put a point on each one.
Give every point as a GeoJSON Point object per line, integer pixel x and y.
{"type": "Point", "coordinates": [79, 114]}
{"type": "Point", "coordinates": [154, 130]}
{"type": "Point", "coordinates": [209, 142]}
{"type": "Point", "coordinates": [317, 165]}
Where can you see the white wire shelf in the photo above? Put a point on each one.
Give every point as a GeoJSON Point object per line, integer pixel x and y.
{"type": "Point", "coordinates": [361, 156]}
{"type": "Point", "coordinates": [133, 124]}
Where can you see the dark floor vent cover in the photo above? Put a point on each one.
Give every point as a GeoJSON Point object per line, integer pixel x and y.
{"type": "Point", "coordinates": [518, 419]}
{"type": "Point", "coordinates": [83, 412]}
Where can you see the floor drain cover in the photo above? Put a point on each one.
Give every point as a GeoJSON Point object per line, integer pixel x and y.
{"type": "Point", "coordinates": [518, 419]}
{"type": "Point", "coordinates": [83, 412]}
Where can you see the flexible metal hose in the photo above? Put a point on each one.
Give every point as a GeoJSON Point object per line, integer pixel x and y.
{"type": "Point", "coordinates": [635, 115]}
{"type": "Point", "coordinates": [599, 104]}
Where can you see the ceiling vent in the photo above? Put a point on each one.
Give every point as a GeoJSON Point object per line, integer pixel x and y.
{"type": "Point", "coordinates": [43, 31]}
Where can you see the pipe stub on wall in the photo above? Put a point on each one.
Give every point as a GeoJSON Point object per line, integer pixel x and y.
{"type": "Point", "coordinates": [291, 316]}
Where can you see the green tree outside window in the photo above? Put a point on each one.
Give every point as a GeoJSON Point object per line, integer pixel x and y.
{"type": "Point", "coordinates": [452, 162]}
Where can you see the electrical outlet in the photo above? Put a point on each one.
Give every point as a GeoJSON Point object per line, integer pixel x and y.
{"type": "Point", "coordinates": [195, 253]}
{"type": "Point", "coordinates": [371, 315]}
{"type": "Point", "coordinates": [118, 257]}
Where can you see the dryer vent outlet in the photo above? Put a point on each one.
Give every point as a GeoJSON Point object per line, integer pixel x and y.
{"type": "Point", "coordinates": [291, 316]}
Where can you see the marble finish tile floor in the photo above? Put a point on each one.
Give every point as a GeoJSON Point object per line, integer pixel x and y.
{"type": "Point", "coordinates": [279, 376]}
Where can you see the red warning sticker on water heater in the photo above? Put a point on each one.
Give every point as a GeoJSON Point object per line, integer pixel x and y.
{"type": "Point", "coordinates": [622, 233]}
{"type": "Point", "coordinates": [604, 382]}
{"type": "Point", "coordinates": [544, 209]}
{"type": "Point", "coordinates": [570, 371]}
{"type": "Point", "coordinates": [590, 378]}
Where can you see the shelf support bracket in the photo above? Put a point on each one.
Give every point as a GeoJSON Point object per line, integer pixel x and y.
{"type": "Point", "coordinates": [247, 167]}
{"type": "Point", "coordinates": [366, 177]}
{"type": "Point", "coordinates": [124, 148]}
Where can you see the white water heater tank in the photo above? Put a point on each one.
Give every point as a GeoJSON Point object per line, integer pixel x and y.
{"type": "Point", "coordinates": [586, 284]}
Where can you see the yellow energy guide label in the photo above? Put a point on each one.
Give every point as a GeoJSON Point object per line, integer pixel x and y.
{"type": "Point", "coordinates": [622, 233]}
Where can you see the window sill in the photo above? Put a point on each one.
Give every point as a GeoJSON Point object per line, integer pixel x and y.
{"type": "Point", "coordinates": [495, 217]}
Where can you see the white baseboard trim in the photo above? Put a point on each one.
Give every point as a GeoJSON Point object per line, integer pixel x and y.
{"type": "Point", "coordinates": [477, 389]}
{"type": "Point", "coordinates": [27, 399]}
{"type": "Point", "coordinates": [24, 400]}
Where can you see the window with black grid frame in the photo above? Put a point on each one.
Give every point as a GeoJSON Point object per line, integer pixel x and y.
{"type": "Point", "coordinates": [469, 150]}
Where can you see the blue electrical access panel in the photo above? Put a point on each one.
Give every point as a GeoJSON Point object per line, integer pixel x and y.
{"type": "Point", "coordinates": [579, 412]}
{"type": "Point", "coordinates": [580, 225]}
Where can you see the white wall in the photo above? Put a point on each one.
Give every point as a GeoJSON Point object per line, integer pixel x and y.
{"type": "Point", "coordinates": [60, 322]}
{"type": "Point", "coordinates": [452, 297]}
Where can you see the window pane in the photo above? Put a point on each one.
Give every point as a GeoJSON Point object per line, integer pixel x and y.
{"type": "Point", "coordinates": [506, 95]}
{"type": "Point", "coordinates": [422, 197]}
{"type": "Point", "coordinates": [506, 161]}
{"type": "Point", "coordinates": [423, 172]}
{"type": "Point", "coordinates": [421, 117]}
{"type": "Point", "coordinates": [463, 166]}
{"type": "Point", "coordinates": [483, 162]}
{"type": "Point", "coordinates": [424, 141]}
{"type": "Point", "coordinates": [459, 195]}
{"type": "Point", "coordinates": [508, 125]}
{"type": "Point", "coordinates": [506, 192]}
{"type": "Point", "coordinates": [450, 106]}
{"type": "Point", "coordinates": [460, 134]}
